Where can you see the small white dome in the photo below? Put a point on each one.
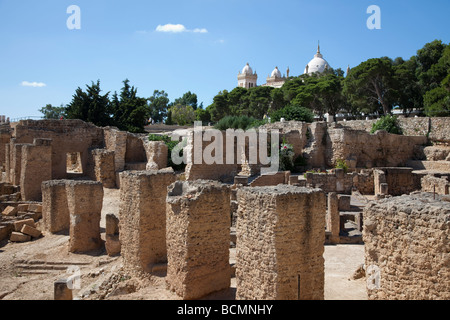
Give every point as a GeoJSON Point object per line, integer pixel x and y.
{"type": "Point", "coordinates": [276, 73]}
{"type": "Point", "coordinates": [247, 70]}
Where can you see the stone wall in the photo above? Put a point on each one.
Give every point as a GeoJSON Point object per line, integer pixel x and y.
{"type": "Point", "coordinates": [142, 218]}
{"type": "Point", "coordinates": [70, 136]}
{"type": "Point", "coordinates": [281, 177]}
{"type": "Point", "coordinates": [437, 129]}
{"type": "Point", "coordinates": [280, 243]}
{"type": "Point", "coordinates": [198, 238]}
{"type": "Point", "coordinates": [378, 150]}
{"type": "Point", "coordinates": [406, 248]}
{"type": "Point", "coordinates": [436, 183]}
{"type": "Point", "coordinates": [399, 180]}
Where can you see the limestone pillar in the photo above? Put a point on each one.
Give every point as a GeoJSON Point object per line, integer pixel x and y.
{"type": "Point", "coordinates": [198, 238]}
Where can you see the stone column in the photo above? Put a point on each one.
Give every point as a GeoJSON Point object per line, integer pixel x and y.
{"type": "Point", "coordinates": [36, 167]}
{"type": "Point", "coordinates": [142, 218]}
{"type": "Point", "coordinates": [333, 219]}
{"type": "Point", "coordinates": [104, 167]}
{"type": "Point", "coordinates": [198, 238]}
{"type": "Point", "coordinates": [280, 243]}
{"type": "Point", "coordinates": [55, 210]}
{"type": "Point", "coordinates": [85, 201]}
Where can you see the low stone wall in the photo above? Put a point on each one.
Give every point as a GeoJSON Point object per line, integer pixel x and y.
{"type": "Point", "coordinates": [440, 185]}
{"type": "Point", "coordinates": [437, 129]}
{"type": "Point", "coordinates": [281, 177]}
{"type": "Point", "coordinates": [406, 248]}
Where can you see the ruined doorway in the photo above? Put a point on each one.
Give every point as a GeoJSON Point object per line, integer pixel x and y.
{"type": "Point", "coordinates": [73, 163]}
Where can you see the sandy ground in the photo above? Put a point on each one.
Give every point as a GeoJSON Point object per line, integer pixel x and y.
{"type": "Point", "coordinates": [28, 270]}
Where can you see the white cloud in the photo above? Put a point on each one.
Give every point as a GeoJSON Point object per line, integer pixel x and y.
{"type": "Point", "coordinates": [33, 84]}
{"type": "Point", "coordinates": [202, 30]}
{"type": "Point", "coordinates": [175, 28]}
{"type": "Point", "coordinates": [178, 28]}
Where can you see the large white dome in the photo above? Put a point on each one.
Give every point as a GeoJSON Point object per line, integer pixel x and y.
{"type": "Point", "coordinates": [247, 70]}
{"type": "Point", "coordinates": [276, 73]}
{"type": "Point", "coordinates": [317, 64]}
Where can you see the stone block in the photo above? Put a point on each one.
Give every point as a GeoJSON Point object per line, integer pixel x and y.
{"type": "Point", "coordinates": [62, 291]}
{"type": "Point", "coordinates": [344, 202]}
{"type": "Point", "coordinates": [35, 207]}
{"type": "Point", "coordinates": [19, 237]}
{"type": "Point", "coordinates": [19, 224]}
{"type": "Point", "coordinates": [10, 211]}
{"type": "Point", "coordinates": [112, 224]}
{"type": "Point", "coordinates": [33, 232]}
{"type": "Point", "coordinates": [112, 245]}
{"type": "Point", "coordinates": [22, 207]}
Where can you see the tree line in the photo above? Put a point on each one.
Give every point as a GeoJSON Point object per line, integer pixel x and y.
{"type": "Point", "coordinates": [125, 110]}
{"type": "Point", "coordinates": [375, 87]}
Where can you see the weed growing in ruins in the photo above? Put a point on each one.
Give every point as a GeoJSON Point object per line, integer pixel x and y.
{"type": "Point", "coordinates": [388, 123]}
{"type": "Point", "coordinates": [341, 164]}
{"type": "Point", "coordinates": [286, 156]}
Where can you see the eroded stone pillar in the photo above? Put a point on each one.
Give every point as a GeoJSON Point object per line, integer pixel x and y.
{"type": "Point", "coordinates": [280, 243]}
{"type": "Point", "coordinates": [55, 209]}
{"type": "Point", "coordinates": [333, 219]}
{"type": "Point", "coordinates": [198, 238]}
{"type": "Point", "coordinates": [36, 167]}
{"type": "Point", "coordinates": [85, 201]}
{"type": "Point", "coordinates": [142, 218]}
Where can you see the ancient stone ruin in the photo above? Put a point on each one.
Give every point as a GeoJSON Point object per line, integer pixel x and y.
{"type": "Point", "coordinates": [88, 198]}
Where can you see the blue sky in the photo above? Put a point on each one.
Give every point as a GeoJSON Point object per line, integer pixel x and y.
{"type": "Point", "coordinates": [42, 61]}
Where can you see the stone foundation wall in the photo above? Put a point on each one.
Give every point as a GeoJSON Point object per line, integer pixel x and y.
{"type": "Point", "coordinates": [399, 180]}
{"type": "Point", "coordinates": [406, 248]}
{"type": "Point", "coordinates": [280, 243]}
{"type": "Point", "coordinates": [440, 185]}
{"type": "Point", "coordinates": [198, 238]}
{"type": "Point", "coordinates": [281, 177]}
{"type": "Point", "coordinates": [142, 218]}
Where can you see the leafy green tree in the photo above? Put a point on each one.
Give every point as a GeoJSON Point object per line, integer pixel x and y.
{"type": "Point", "coordinates": [90, 106]}
{"type": "Point", "coordinates": [410, 95]}
{"type": "Point", "coordinates": [130, 111]}
{"type": "Point", "coordinates": [182, 115]}
{"type": "Point", "coordinates": [220, 106]}
{"type": "Point", "coordinates": [372, 85]}
{"type": "Point", "coordinates": [430, 72]}
{"type": "Point", "coordinates": [158, 105]}
{"type": "Point", "coordinates": [202, 115]}
{"type": "Point", "coordinates": [51, 112]}
{"type": "Point", "coordinates": [188, 99]}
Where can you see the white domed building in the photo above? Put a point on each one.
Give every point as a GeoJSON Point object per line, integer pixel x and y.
{"type": "Point", "coordinates": [317, 64]}
{"type": "Point", "coordinates": [275, 79]}
{"type": "Point", "coordinates": [247, 79]}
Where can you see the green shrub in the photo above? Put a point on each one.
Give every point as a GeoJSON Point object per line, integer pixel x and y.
{"type": "Point", "coordinates": [170, 145]}
{"type": "Point", "coordinates": [388, 123]}
{"type": "Point", "coordinates": [293, 112]}
{"type": "Point", "coordinates": [341, 164]}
